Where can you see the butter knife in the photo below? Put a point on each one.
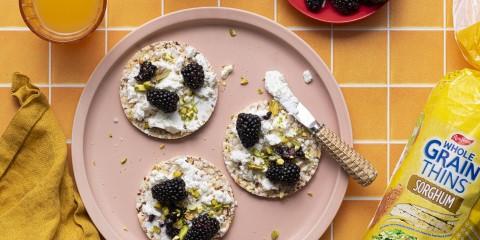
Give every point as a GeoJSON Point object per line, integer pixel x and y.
{"type": "Point", "coordinates": [361, 170]}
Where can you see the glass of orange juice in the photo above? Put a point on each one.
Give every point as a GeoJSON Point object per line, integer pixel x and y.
{"type": "Point", "coordinates": [62, 21]}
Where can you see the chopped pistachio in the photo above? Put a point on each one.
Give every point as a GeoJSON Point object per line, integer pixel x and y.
{"type": "Point", "coordinates": [183, 232]}
{"type": "Point", "coordinates": [280, 161]}
{"type": "Point", "coordinates": [165, 211]}
{"type": "Point", "coordinates": [275, 234]}
{"type": "Point", "coordinates": [310, 194]}
{"type": "Point", "coordinates": [157, 206]}
{"type": "Point", "coordinates": [243, 81]}
{"type": "Point", "coordinates": [140, 88]}
{"type": "Point", "coordinates": [148, 85]}
{"type": "Point", "coordinates": [194, 192]}
{"type": "Point", "coordinates": [146, 125]}
{"type": "Point", "coordinates": [123, 161]}
{"type": "Point", "coordinates": [258, 153]}
{"type": "Point", "coordinates": [269, 150]}
{"type": "Point", "coordinates": [274, 107]}
{"type": "Point", "coordinates": [232, 32]}
{"type": "Point", "coordinates": [177, 173]}
{"type": "Point", "coordinates": [168, 57]}
{"type": "Point", "coordinates": [163, 74]}
{"type": "Point", "coordinates": [254, 166]}
{"type": "Point", "coordinates": [260, 91]}
{"type": "Point", "coordinates": [156, 229]}
{"type": "Point", "coordinates": [179, 224]}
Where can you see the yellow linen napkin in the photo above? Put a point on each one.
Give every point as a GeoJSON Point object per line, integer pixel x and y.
{"type": "Point", "coordinates": [37, 195]}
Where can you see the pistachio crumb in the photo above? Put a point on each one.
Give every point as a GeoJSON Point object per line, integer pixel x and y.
{"type": "Point", "coordinates": [232, 32]}
{"type": "Point", "coordinates": [275, 234]}
{"type": "Point", "coordinates": [177, 173]}
{"type": "Point", "coordinates": [124, 161]}
{"type": "Point", "coordinates": [243, 81]}
{"type": "Point", "coordinates": [260, 91]}
{"type": "Point", "coordinates": [162, 146]}
{"type": "Point", "coordinates": [310, 194]}
{"type": "Point", "coordinates": [280, 161]}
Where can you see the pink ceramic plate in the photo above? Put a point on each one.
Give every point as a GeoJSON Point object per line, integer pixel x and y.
{"type": "Point", "coordinates": [109, 188]}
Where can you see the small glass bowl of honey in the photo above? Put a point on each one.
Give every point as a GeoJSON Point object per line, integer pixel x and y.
{"type": "Point", "coordinates": [62, 21]}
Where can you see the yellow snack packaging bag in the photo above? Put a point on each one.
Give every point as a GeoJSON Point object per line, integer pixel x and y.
{"type": "Point", "coordinates": [434, 192]}
{"type": "Point", "coordinates": [466, 22]}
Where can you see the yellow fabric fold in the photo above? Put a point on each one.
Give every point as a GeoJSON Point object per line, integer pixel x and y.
{"type": "Point", "coordinates": [38, 199]}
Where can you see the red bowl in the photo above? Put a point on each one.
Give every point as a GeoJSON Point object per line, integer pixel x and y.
{"type": "Point", "coordinates": [330, 15]}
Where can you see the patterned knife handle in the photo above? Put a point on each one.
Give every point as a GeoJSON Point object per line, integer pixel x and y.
{"type": "Point", "coordinates": [361, 170]}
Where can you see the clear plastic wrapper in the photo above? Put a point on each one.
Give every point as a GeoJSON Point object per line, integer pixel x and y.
{"type": "Point", "coordinates": [466, 22]}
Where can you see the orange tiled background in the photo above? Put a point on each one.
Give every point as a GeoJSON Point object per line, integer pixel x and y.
{"type": "Point", "coordinates": [409, 44]}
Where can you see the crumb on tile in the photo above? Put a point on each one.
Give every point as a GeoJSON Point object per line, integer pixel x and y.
{"type": "Point", "coordinates": [123, 161]}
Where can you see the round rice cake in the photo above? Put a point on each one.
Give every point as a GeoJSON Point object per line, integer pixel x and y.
{"type": "Point", "coordinates": [209, 192]}
{"type": "Point", "coordinates": [278, 129]}
{"type": "Point", "coordinates": [194, 107]}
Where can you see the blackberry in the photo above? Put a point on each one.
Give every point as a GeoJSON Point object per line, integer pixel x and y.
{"type": "Point", "coordinates": [315, 5]}
{"type": "Point", "coordinates": [203, 228]}
{"type": "Point", "coordinates": [267, 116]}
{"type": "Point", "coordinates": [291, 173]}
{"type": "Point", "coordinates": [170, 191]}
{"type": "Point", "coordinates": [288, 152]}
{"type": "Point", "coordinates": [346, 7]}
{"type": "Point", "coordinates": [248, 129]}
{"type": "Point", "coordinates": [193, 76]}
{"type": "Point", "coordinates": [163, 99]}
{"type": "Point", "coordinates": [288, 173]}
{"type": "Point", "coordinates": [373, 2]}
{"type": "Point", "coordinates": [274, 172]}
{"type": "Point", "coordinates": [147, 71]}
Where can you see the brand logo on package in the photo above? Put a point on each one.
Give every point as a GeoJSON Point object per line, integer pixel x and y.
{"type": "Point", "coordinates": [461, 140]}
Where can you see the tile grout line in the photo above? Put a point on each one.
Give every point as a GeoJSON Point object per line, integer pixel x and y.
{"type": "Point", "coordinates": [331, 231]}
{"type": "Point", "coordinates": [50, 73]}
{"type": "Point", "coordinates": [331, 48]}
{"type": "Point", "coordinates": [106, 30]}
{"type": "Point", "coordinates": [379, 141]}
{"type": "Point", "coordinates": [384, 85]}
{"type": "Point", "coordinates": [388, 92]}
{"type": "Point", "coordinates": [420, 29]}
{"type": "Point", "coordinates": [444, 37]}
{"type": "Point", "coordinates": [275, 10]}
{"type": "Point", "coordinates": [292, 28]}
{"type": "Point", "coordinates": [362, 198]}
{"type": "Point", "coordinates": [163, 7]}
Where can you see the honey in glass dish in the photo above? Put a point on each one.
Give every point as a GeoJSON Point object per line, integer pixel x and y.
{"type": "Point", "coordinates": [62, 21]}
